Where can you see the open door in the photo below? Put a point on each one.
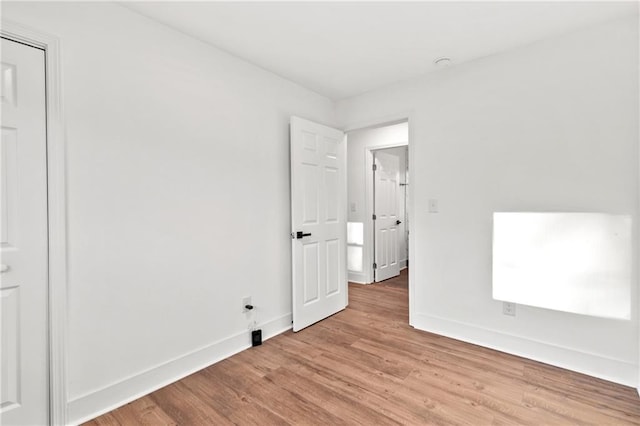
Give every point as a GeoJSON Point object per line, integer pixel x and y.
{"type": "Point", "coordinates": [386, 219]}
{"type": "Point", "coordinates": [319, 221]}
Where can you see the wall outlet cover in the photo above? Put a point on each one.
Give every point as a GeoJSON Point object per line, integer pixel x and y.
{"type": "Point", "coordinates": [246, 301]}
{"type": "Point", "coordinates": [433, 206]}
{"type": "Point", "coordinates": [509, 308]}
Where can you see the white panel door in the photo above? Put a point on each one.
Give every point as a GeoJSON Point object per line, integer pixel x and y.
{"type": "Point", "coordinates": [319, 221]}
{"type": "Point", "coordinates": [386, 206]}
{"type": "Point", "coordinates": [24, 390]}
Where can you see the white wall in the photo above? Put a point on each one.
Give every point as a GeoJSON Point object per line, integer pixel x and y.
{"type": "Point", "coordinates": [178, 198]}
{"type": "Point", "coordinates": [552, 126]}
{"type": "Point", "coordinates": [359, 142]}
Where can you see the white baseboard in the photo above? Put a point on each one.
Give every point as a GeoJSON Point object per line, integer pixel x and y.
{"type": "Point", "coordinates": [613, 370]}
{"type": "Point", "coordinates": [91, 405]}
{"type": "Point", "coordinates": [357, 277]}
{"type": "Point", "coordinates": [403, 263]}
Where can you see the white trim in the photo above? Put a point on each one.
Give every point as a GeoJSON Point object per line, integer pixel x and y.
{"type": "Point", "coordinates": [56, 192]}
{"type": "Point", "coordinates": [411, 215]}
{"type": "Point", "coordinates": [357, 277]}
{"type": "Point", "coordinates": [108, 398]}
{"type": "Point", "coordinates": [385, 121]}
{"type": "Point", "coordinates": [614, 370]}
{"type": "Point", "coordinates": [345, 201]}
{"type": "Point", "coordinates": [637, 247]}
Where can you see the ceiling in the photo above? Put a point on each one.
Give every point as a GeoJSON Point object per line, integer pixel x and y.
{"type": "Point", "coordinates": [342, 49]}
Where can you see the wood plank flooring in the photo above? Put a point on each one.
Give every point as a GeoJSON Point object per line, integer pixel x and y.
{"type": "Point", "coordinates": [365, 365]}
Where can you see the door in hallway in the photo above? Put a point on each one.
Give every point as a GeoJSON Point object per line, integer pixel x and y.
{"type": "Point", "coordinates": [386, 206]}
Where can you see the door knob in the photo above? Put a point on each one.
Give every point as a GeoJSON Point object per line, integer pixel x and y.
{"type": "Point", "coordinates": [4, 268]}
{"type": "Point", "coordinates": [300, 234]}
{"type": "Point", "coordinates": [398, 222]}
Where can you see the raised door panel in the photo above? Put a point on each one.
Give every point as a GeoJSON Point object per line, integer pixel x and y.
{"type": "Point", "coordinates": [311, 265]}
{"type": "Point", "coordinates": [10, 349]}
{"type": "Point", "coordinates": [381, 253]}
{"type": "Point", "coordinates": [310, 193]}
{"type": "Point", "coordinates": [334, 265]}
{"type": "Point", "coordinates": [332, 195]}
{"type": "Point", "coordinates": [8, 187]}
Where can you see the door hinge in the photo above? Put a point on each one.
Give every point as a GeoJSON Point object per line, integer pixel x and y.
{"type": "Point", "coordinates": [375, 167]}
{"type": "Point", "coordinates": [375, 217]}
{"type": "Point", "coordinates": [375, 266]}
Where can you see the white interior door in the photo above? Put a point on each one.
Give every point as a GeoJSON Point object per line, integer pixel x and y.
{"type": "Point", "coordinates": [24, 391]}
{"type": "Point", "coordinates": [319, 221]}
{"type": "Point", "coordinates": [386, 202]}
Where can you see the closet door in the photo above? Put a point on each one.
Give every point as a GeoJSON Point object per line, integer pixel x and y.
{"type": "Point", "coordinates": [24, 366]}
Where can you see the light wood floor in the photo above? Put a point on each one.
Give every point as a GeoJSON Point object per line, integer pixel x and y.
{"type": "Point", "coordinates": [365, 365]}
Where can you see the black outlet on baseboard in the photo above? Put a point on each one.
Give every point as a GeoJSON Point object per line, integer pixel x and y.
{"type": "Point", "coordinates": [256, 337]}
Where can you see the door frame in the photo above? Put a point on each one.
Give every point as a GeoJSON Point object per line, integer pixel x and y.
{"type": "Point", "coordinates": [56, 213]}
{"type": "Point", "coordinates": [409, 117]}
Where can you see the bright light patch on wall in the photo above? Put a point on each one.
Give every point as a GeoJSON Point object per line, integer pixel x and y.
{"type": "Point", "coordinates": [355, 240]}
{"type": "Point", "coordinates": [354, 258]}
{"type": "Point", "coordinates": [572, 262]}
{"type": "Point", "coordinates": [355, 234]}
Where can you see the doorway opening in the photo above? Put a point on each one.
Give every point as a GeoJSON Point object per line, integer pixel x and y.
{"type": "Point", "coordinates": [378, 204]}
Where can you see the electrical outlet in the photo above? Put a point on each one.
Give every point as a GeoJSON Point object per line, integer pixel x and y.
{"type": "Point", "coordinates": [509, 308]}
{"type": "Point", "coordinates": [246, 301]}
